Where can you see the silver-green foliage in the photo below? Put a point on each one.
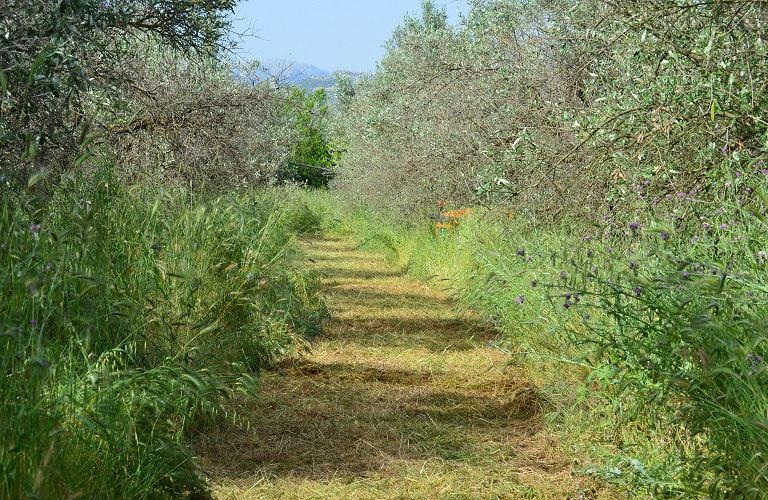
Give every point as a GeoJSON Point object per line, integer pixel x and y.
{"type": "Point", "coordinates": [561, 108]}
{"type": "Point", "coordinates": [633, 136]}
{"type": "Point", "coordinates": [53, 55]}
{"type": "Point", "coordinates": [454, 112]}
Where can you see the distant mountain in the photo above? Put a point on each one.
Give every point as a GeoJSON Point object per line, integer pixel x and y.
{"type": "Point", "coordinates": [328, 82]}
{"type": "Point", "coordinates": [302, 75]}
{"type": "Point", "coordinates": [292, 71]}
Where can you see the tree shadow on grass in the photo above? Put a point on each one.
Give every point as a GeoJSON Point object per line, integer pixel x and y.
{"type": "Point", "coordinates": [365, 402]}
{"type": "Point", "coordinates": [323, 258]}
{"type": "Point", "coordinates": [317, 421]}
{"type": "Point", "coordinates": [433, 334]}
{"type": "Point", "coordinates": [367, 296]}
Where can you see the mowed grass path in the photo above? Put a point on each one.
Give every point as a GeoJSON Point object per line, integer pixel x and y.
{"type": "Point", "coordinates": [401, 397]}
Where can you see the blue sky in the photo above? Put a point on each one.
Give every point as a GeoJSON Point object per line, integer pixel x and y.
{"type": "Point", "coordinates": [330, 34]}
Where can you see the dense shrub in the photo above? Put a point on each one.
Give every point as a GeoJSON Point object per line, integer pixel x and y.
{"type": "Point", "coordinates": [145, 84]}
{"type": "Point", "coordinates": [128, 316]}
{"type": "Point", "coordinates": [560, 109]}
{"type": "Point", "coordinates": [457, 112]}
{"type": "Point", "coordinates": [186, 120]}
{"type": "Point", "coordinates": [312, 156]}
{"type": "Point", "coordinates": [621, 151]}
{"type": "Point", "coordinates": [56, 58]}
{"type": "Point", "coordinates": [647, 345]}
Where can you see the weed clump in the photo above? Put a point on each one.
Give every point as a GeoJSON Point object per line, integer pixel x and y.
{"type": "Point", "coordinates": [128, 317]}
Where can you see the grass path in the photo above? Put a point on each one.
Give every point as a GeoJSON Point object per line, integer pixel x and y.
{"type": "Point", "coordinates": [399, 398]}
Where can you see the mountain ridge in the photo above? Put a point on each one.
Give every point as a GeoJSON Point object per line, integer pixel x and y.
{"type": "Point", "coordinates": [304, 75]}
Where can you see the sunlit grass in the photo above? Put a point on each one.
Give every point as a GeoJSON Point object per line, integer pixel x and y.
{"type": "Point", "coordinates": [622, 331]}
{"type": "Point", "coordinates": [129, 318]}
{"type": "Point", "coordinates": [402, 396]}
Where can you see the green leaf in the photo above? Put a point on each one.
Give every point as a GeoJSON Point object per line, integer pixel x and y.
{"type": "Point", "coordinates": [33, 180]}
{"type": "Point", "coordinates": [32, 149]}
{"type": "Point", "coordinates": [80, 159]}
{"type": "Point", "coordinates": [37, 64]}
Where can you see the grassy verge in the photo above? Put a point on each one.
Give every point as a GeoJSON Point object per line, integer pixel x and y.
{"type": "Point", "coordinates": [128, 318]}
{"type": "Point", "coordinates": [645, 341]}
{"type": "Point", "coordinates": [402, 396]}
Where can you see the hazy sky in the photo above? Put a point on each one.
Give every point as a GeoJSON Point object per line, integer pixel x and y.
{"type": "Point", "coordinates": [331, 34]}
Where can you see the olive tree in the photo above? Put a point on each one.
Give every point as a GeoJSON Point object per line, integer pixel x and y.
{"type": "Point", "coordinates": [55, 57]}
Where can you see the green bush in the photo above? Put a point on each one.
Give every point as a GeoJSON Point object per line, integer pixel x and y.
{"type": "Point", "coordinates": [675, 321]}
{"type": "Point", "coordinates": [621, 150]}
{"type": "Point", "coordinates": [647, 338]}
{"type": "Point", "coordinates": [313, 156]}
{"type": "Point", "coordinates": [126, 318]}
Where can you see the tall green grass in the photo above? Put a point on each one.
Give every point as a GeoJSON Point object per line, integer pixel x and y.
{"type": "Point", "coordinates": [127, 318]}
{"type": "Point", "coordinates": [647, 337]}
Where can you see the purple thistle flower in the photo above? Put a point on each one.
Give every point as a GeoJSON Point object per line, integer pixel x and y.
{"type": "Point", "coordinates": [764, 171]}
{"type": "Point", "coordinates": [706, 226]}
{"type": "Point", "coordinates": [519, 300]}
{"type": "Point", "coordinates": [664, 235]}
{"type": "Point", "coordinates": [738, 174]}
{"type": "Point", "coordinates": [567, 305]}
{"type": "Point", "coordinates": [638, 291]}
{"type": "Point", "coordinates": [686, 275]}
{"type": "Point", "coordinates": [647, 182]}
{"type": "Point", "coordinates": [35, 228]}
{"type": "Point", "coordinates": [755, 361]}
{"type": "Point", "coordinates": [568, 296]}
{"type": "Point", "coordinates": [33, 322]}
{"type": "Point", "coordinates": [723, 226]}
{"type": "Point", "coordinates": [42, 362]}
{"type": "Point", "coordinates": [634, 226]}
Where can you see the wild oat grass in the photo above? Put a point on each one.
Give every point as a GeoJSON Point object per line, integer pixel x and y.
{"type": "Point", "coordinates": [128, 318]}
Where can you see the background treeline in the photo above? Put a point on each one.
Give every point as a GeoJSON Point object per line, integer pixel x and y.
{"type": "Point", "coordinates": [142, 284]}
{"type": "Point", "coordinates": [149, 86]}
{"type": "Point", "coordinates": [619, 150]}
{"type": "Point", "coordinates": [569, 106]}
